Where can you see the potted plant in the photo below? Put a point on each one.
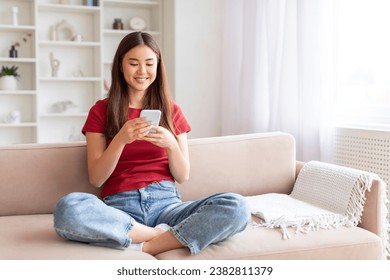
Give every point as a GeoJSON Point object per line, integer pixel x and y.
{"type": "Point", "coordinates": [8, 77]}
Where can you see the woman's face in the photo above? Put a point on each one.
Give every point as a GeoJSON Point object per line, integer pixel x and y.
{"type": "Point", "coordinates": [139, 67]}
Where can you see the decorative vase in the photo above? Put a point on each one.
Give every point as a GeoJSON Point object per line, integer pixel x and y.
{"type": "Point", "coordinates": [13, 117]}
{"type": "Point", "coordinates": [118, 24]}
{"type": "Point", "coordinates": [8, 83]}
{"type": "Point", "coordinates": [13, 52]}
{"type": "Point", "coordinates": [91, 2]}
{"type": "Point", "coordinates": [15, 11]}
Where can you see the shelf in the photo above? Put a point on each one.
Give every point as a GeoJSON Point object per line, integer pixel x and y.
{"type": "Point", "coordinates": [135, 3]}
{"type": "Point", "coordinates": [68, 44]}
{"type": "Point", "coordinates": [22, 124]}
{"type": "Point", "coordinates": [18, 92]}
{"type": "Point", "coordinates": [83, 9]}
{"type": "Point", "coordinates": [17, 60]}
{"type": "Point", "coordinates": [70, 79]}
{"type": "Point", "coordinates": [19, 28]}
{"type": "Point", "coordinates": [127, 3]}
{"type": "Point", "coordinates": [63, 115]}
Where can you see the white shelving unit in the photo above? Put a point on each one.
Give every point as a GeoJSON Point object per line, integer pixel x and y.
{"type": "Point", "coordinates": [24, 98]}
{"type": "Point", "coordinates": [78, 81]}
{"type": "Point", "coordinates": [84, 64]}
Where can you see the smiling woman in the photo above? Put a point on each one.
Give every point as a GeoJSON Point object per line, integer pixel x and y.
{"type": "Point", "coordinates": [137, 165]}
{"type": "Point", "coordinates": [137, 66]}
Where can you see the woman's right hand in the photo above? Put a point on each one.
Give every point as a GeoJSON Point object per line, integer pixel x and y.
{"type": "Point", "coordinates": [102, 160]}
{"type": "Point", "coordinates": [134, 129]}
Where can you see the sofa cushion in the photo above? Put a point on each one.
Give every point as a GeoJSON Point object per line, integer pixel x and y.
{"type": "Point", "coordinates": [33, 237]}
{"type": "Point", "coordinates": [245, 164]}
{"type": "Point", "coordinates": [260, 243]}
{"type": "Point", "coordinates": [33, 177]}
{"type": "Point", "coordinates": [30, 237]}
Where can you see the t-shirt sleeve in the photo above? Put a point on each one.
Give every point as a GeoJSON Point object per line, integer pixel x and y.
{"type": "Point", "coordinates": [180, 122]}
{"type": "Point", "coordinates": [96, 119]}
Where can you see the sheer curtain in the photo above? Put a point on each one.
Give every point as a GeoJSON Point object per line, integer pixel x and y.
{"type": "Point", "coordinates": [277, 71]}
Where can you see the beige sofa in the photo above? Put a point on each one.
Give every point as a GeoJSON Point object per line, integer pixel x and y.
{"type": "Point", "coordinates": [33, 177]}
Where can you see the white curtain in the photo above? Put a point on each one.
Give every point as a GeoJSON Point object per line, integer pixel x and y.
{"type": "Point", "coordinates": [277, 71]}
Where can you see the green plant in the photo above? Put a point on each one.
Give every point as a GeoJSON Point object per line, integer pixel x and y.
{"type": "Point", "coordinates": [9, 71]}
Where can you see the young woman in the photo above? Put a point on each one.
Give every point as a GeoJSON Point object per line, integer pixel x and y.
{"type": "Point", "coordinates": [140, 207]}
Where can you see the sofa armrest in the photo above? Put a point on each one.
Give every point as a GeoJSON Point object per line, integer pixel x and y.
{"type": "Point", "coordinates": [372, 212]}
{"type": "Point", "coordinates": [298, 167]}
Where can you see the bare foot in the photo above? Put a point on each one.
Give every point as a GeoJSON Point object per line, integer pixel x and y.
{"type": "Point", "coordinates": [141, 233]}
{"type": "Point", "coordinates": [161, 243]}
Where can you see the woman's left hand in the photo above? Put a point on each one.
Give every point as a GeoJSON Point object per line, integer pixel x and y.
{"type": "Point", "coordinates": [160, 137]}
{"type": "Point", "coordinates": [176, 148]}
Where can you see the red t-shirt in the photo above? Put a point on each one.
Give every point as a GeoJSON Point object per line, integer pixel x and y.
{"type": "Point", "coordinates": [141, 163]}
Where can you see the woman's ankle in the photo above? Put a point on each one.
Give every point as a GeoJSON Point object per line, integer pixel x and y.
{"type": "Point", "coordinates": [141, 233]}
{"type": "Point", "coordinates": [161, 243]}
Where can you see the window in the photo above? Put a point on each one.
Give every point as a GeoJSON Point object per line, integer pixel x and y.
{"type": "Point", "coordinates": [362, 64]}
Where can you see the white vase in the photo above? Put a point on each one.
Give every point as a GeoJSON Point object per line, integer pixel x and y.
{"type": "Point", "coordinates": [8, 83]}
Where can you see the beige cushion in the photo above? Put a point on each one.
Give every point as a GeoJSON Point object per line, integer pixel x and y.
{"type": "Point", "coordinates": [261, 243]}
{"type": "Point", "coordinates": [245, 164]}
{"type": "Point", "coordinates": [33, 237]}
{"type": "Point", "coordinates": [33, 177]}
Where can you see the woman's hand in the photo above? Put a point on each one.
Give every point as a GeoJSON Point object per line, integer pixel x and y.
{"type": "Point", "coordinates": [161, 137]}
{"type": "Point", "coordinates": [177, 151]}
{"type": "Point", "coordinates": [102, 160]}
{"type": "Point", "coordinates": [134, 129]}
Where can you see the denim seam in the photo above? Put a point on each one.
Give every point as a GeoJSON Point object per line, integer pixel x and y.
{"type": "Point", "coordinates": [97, 238]}
{"type": "Point", "coordinates": [127, 230]}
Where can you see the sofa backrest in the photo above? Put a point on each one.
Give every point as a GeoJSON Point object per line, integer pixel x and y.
{"type": "Point", "coordinates": [248, 164]}
{"type": "Point", "coordinates": [34, 177]}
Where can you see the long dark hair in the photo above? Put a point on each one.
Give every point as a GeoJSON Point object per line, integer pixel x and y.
{"type": "Point", "coordinates": [157, 96]}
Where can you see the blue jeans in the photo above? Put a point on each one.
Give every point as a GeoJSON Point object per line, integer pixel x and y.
{"type": "Point", "coordinates": [85, 218]}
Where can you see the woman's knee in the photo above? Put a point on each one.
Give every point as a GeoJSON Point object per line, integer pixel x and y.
{"type": "Point", "coordinates": [237, 210]}
{"type": "Point", "coordinates": [70, 207]}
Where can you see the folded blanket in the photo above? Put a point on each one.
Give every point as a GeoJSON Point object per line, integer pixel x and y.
{"type": "Point", "coordinates": [283, 211]}
{"type": "Point", "coordinates": [324, 196]}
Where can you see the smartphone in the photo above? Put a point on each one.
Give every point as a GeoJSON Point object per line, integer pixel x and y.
{"type": "Point", "coordinates": [152, 116]}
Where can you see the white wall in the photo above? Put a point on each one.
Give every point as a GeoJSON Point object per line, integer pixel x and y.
{"type": "Point", "coordinates": [198, 37]}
